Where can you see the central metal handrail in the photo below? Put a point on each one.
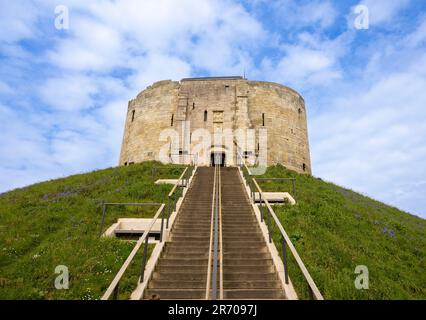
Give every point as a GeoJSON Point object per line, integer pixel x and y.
{"type": "Point", "coordinates": [285, 240]}
{"type": "Point", "coordinates": [216, 235]}
{"type": "Point", "coordinates": [209, 261]}
{"type": "Point", "coordinates": [220, 239]}
{"type": "Point", "coordinates": [214, 266]}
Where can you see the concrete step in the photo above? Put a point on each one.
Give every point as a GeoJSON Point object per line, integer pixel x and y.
{"type": "Point", "coordinates": [229, 248]}
{"type": "Point", "coordinates": [244, 242]}
{"type": "Point", "coordinates": [166, 261]}
{"type": "Point", "coordinates": [248, 262]}
{"type": "Point", "coordinates": [247, 268]}
{"type": "Point", "coordinates": [184, 276]}
{"type": "Point", "coordinates": [187, 268]}
{"type": "Point", "coordinates": [191, 233]}
{"type": "Point", "coordinates": [235, 236]}
{"type": "Point", "coordinates": [253, 284]}
{"type": "Point", "coordinates": [190, 238]}
{"type": "Point", "coordinates": [250, 276]}
{"type": "Point", "coordinates": [190, 250]}
{"type": "Point", "coordinates": [176, 294]}
{"type": "Point", "coordinates": [187, 255]}
{"type": "Point", "coordinates": [246, 255]}
{"type": "Point", "coordinates": [253, 294]}
{"type": "Point", "coordinates": [178, 284]}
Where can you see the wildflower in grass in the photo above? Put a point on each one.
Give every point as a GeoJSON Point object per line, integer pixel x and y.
{"type": "Point", "coordinates": [385, 230]}
{"type": "Point", "coordinates": [392, 233]}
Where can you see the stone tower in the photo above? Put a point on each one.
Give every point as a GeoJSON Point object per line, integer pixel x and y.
{"type": "Point", "coordinates": [231, 105]}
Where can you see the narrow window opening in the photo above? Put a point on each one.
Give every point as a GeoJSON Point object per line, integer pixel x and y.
{"type": "Point", "coordinates": [193, 105]}
{"type": "Point", "coordinates": [205, 115]}
{"type": "Point", "coordinates": [247, 154]}
{"type": "Point", "coordinates": [263, 119]}
{"type": "Point", "coordinates": [172, 120]}
{"type": "Point", "coordinates": [133, 115]}
{"type": "Point", "coordinates": [300, 111]}
{"type": "Point", "coordinates": [304, 167]}
{"type": "Point", "coordinates": [125, 164]}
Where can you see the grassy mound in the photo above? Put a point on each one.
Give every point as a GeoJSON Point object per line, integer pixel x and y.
{"type": "Point", "coordinates": [335, 229]}
{"type": "Point", "coordinates": [57, 223]}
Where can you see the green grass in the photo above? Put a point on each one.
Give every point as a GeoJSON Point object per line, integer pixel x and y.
{"type": "Point", "coordinates": [57, 223]}
{"type": "Point", "coordinates": [335, 229]}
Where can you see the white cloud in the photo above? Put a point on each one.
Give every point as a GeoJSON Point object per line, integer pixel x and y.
{"type": "Point", "coordinates": [17, 20]}
{"type": "Point", "coordinates": [298, 14]}
{"type": "Point", "coordinates": [71, 92]}
{"type": "Point", "coordinates": [384, 11]}
{"type": "Point", "coordinates": [373, 140]}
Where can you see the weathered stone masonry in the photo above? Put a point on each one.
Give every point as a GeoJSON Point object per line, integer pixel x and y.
{"type": "Point", "coordinates": [211, 103]}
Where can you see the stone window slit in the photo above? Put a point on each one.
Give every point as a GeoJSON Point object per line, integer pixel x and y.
{"type": "Point", "coordinates": [205, 115]}
{"type": "Point", "coordinates": [133, 115]}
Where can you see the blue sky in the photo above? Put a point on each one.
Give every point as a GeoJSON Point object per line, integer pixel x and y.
{"type": "Point", "coordinates": [64, 93]}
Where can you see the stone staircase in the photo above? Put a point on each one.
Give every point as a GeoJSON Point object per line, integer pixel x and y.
{"type": "Point", "coordinates": [181, 272]}
{"type": "Point", "coordinates": [248, 269]}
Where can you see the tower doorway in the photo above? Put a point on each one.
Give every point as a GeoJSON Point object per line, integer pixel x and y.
{"type": "Point", "coordinates": [217, 158]}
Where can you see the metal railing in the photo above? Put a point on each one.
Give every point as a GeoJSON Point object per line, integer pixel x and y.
{"type": "Point", "coordinates": [182, 182]}
{"type": "Point", "coordinates": [285, 240]}
{"type": "Point", "coordinates": [143, 240]}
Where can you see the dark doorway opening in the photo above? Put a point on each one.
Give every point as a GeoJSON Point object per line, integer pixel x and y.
{"type": "Point", "coordinates": [217, 158]}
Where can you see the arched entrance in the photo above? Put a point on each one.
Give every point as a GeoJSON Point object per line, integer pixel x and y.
{"type": "Point", "coordinates": [218, 156]}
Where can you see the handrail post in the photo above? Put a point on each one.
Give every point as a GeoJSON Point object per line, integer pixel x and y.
{"type": "Point", "coordinates": [311, 294]}
{"type": "Point", "coordinates": [168, 211]}
{"type": "Point", "coordinates": [261, 207]}
{"type": "Point", "coordinates": [145, 253]}
{"type": "Point", "coordinates": [294, 189]}
{"type": "Point", "coordinates": [253, 194]}
{"type": "Point", "coordinates": [269, 225]}
{"type": "Point", "coordinates": [162, 225]}
{"type": "Point", "coordinates": [284, 248]}
{"type": "Point", "coordinates": [103, 218]}
{"type": "Point", "coordinates": [115, 294]}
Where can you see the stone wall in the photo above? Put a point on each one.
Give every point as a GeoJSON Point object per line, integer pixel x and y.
{"type": "Point", "coordinates": [225, 104]}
